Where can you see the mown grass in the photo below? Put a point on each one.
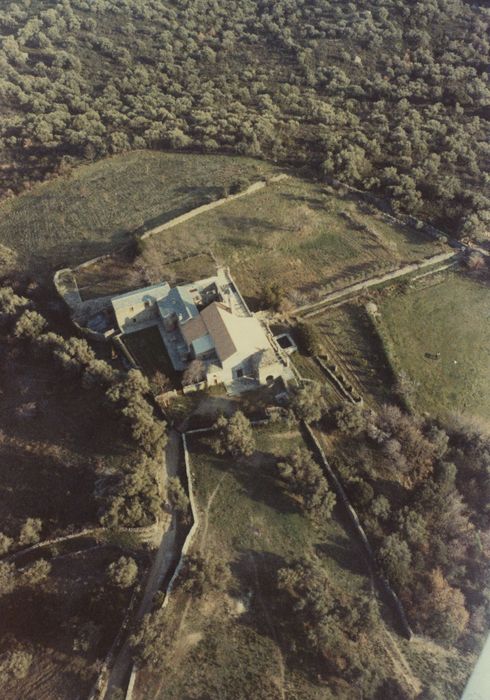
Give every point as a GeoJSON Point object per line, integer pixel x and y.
{"type": "Point", "coordinates": [234, 644]}
{"type": "Point", "coordinates": [449, 318]}
{"type": "Point", "coordinates": [93, 209]}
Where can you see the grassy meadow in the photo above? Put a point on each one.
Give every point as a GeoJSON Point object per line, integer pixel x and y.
{"type": "Point", "coordinates": [92, 209]}
{"type": "Point", "coordinates": [296, 233]}
{"type": "Point", "coordinates": [234, 644]}
{"type": "Point", "coordinates": [450, 319]}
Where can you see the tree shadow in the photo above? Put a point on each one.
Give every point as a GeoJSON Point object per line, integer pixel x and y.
{"type": "Point", "coordinates": [340, 550]}
{"type": "Point", "coordinates": [267, 489]}
{"type": "Point", "coordinates": [268, 610]}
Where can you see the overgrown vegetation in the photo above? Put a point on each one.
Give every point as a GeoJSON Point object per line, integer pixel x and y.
{"type": "Point", "coordinates": [420, 490]}
{"type": "Point", "coordinates": [391, 98]}
{"type": "Point", "coordinates": [129, 496]}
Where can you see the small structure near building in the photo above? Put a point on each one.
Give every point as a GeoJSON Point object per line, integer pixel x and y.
{"type": "Point", "coordinates": [210, 322]}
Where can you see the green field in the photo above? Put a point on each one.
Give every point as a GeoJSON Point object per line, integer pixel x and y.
{"type": "Point", "coordinates": [92, 210]}
{"type": "Point", "coordinates": [234, 644]}
{"type": "Point", "coordinates": [450, 318]}
{"type": "Point", "coordinates": [295, 233]}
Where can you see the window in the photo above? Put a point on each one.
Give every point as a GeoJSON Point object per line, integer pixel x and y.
{"type": "Point", "coordinates": [239, 373]}
{"type": "Point", "coordinates": [147, 304]}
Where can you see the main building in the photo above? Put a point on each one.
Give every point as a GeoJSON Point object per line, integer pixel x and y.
{"type": "Point", "coordinates": [207, 321]}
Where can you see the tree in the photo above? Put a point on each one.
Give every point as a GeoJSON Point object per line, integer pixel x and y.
{"type": "Point", "coordinates": [273, 295]}
{"type": "Point", "coordinates": [395, 559]}
{"type": "Point", "coordinates": [30, 325]}
{"type": "Point", "coordinates": [8, 577]}
{"type": "Point", "coordinates": [10, 302]}
{"type": "Point", "coordinates": [305, 479]}
{"type": "Point", "coordinates": [380, 508]}
{"type": "Point", "coordinates": [123, 572]}
{"type": "Point", "coordinates": [36, 573]}
{"type": "Point", "coordinates": [309, 403]}
{"type": "Point", "coordinates": [350, 418]}
{"type": "Point", "coordinates": [14, 664]}
{"type": "Point", "coordinates": [30, 531]}
{"type": "Point", "coordinates": [194, 373]}
{"type": "Point", "coordinates": [176, 496]}
{"type": "Point", "coordinates": [5, 543]}
{"type": "Point", "coordinates": [149, 643]}
{"type": "Point", "coordinates": [235, 435]}
{"type": "Point", "coordinates": [309, 338]}
{"type": "Point", "coordinates": [443, 611]}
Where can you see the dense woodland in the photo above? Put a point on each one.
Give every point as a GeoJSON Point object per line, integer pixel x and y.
{"type": "Point", "coordinates": [422, 491]}
{"type": "Point", "coordinates": [388, 96]}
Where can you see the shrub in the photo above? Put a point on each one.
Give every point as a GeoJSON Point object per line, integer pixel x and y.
{"type": "Point", "coordinates": [309, 338]}
{"type": "Point", "coordinates": [309, 403]}
{"type": "Point", "coordinates": [30, 325]}
{"type": "Point", "coordinates": [235, 435]}
{"type": "Point", "coordinates": [123, 572]}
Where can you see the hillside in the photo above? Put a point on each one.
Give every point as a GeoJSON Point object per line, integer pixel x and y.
{"type": "Point", "coordinates": [99, 207]}
{"type": "Point", "coordinates": [390, 98]}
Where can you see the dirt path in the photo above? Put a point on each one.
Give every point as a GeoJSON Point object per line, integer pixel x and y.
{"type": "Point", "coordinates": [281, 678]}
{"type": "Point", "coordinates": [206, 514]}
{"type": "Point", "coordinates": [160, 567]}
{"type": "Point", "coordinates": [400, 664]}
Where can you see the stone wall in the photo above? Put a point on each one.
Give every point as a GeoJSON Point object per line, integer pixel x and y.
{"type": "Point", "coordinates": [354, 520]}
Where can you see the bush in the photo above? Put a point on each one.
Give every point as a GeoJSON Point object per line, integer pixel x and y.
{"type": "Point", "coordinates": [123, 572]}
{"type": "Point", "coordinates": [309, 338]}
{"type": "Point", "coordinates": [309, 403]}
{"type": "Point", "coordinates": [30, 325]}
{"type": "Point", "coordinates": [235, 435]}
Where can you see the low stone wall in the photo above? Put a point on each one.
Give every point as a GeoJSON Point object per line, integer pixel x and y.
{"type": "Point", "coordinates": [310, 310]}
{"type": "Point", "coordinates": [87, 532]}
{"type": "Point", "coordinates": [338, 383]}
{"type": "Point", "coordinates": [342, 496]}
{"type": "Point", "coordinates": [255, 187]}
